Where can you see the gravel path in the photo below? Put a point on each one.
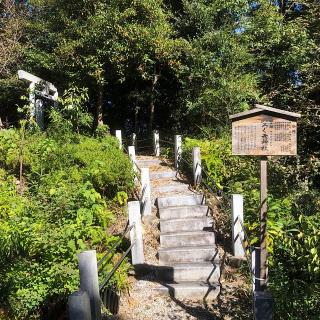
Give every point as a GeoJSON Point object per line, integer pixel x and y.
{"type": "Point", "coordinates": [145, 302]}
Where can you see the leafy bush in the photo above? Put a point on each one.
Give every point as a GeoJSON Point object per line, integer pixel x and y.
{"type": "Point", "coordinates": [68, 188]}
{"type": "Point", "coordinates": [293, 221]}
{"type": "Point", "coordinates": [227, 171]}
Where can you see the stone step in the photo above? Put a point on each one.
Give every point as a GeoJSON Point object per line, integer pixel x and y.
{"type": "Point", "coordinates": [148, 162]}
{"type": "Point", "coordinates": [188, 200]}
{"type": "Point", "coordinates": [162, 175]}
{"type": "Point", "coordinates": [188, 254]}
{"type": "Point", "coordinates": [164, 182]}
{"type": "Point", "coordinates": [186, 224]}
{"type": "Point", "coordinates": [187, 238]}
{"type": "Point", "coordinates": [181, 212]}
{"type": "Point", "coordinates": [178, 187]}
{"type": "Point", "coordinates": [171, 193]}
{"type": "Point", "coordinates": [202, 271]}
{"type": "Point", "coordinates": [192, 290]}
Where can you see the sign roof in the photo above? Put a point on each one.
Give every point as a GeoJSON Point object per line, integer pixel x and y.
{"type": "Point", "coordinates": [259, 109]}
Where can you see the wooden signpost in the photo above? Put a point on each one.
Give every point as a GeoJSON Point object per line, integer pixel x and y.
{"type": "Point", "coordinates": [263, 132]}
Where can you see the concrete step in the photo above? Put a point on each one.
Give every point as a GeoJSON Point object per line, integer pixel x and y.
{"type": "Point", "coordinates": [181, 212]}
{"type": "Point", "coordinates": [162, 175]}
{"type": "Point", "coordinates": [188, 254]}
{"type": "Point", "coordinates": [202, 271]}
{"type": "Point", "coordinates": [171, 193]}
{"type": "Point", "coordinates": [188, 200]}
{"type": "Point", "coordinates": [145, 163]}
{"type": "Point", "coordinates": [186, 224]}
{"type": "Point", "coordinates": [187, 238]}
{"type": "Point", "coordinates": [177, 187]}
{"type": "Point", "coordinates": [193, 290]}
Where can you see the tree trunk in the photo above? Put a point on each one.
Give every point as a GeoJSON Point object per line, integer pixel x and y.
{"type": "Point", "coordinates": [152, 98]}
{"type": "Point", "coordinates": [100, 107]}
{"type": "Point", "coordinates": [283, 7]}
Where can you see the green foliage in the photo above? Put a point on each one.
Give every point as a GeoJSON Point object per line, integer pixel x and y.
{"type": "Point", "coordinates": [228, 172]}
{"type": "Point", "coordinates": [69, 181]}
{"type": "Point", "coordinates": [72, 104]}
{"type": "Point", "coordinates": [195, 61]}
{"type": "Point", "coordinates": [293, 222]}
{"type": "Point", "coordinates": [9, 148]}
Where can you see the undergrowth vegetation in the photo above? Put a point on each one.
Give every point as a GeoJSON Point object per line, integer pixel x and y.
{"type": "Point", "coordinates": [293, 219]}
{"type": "Point", "coordinates": [71, 186]}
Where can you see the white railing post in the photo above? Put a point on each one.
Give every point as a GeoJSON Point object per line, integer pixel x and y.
{"type": "Point", "coordinates": [89, 281]}
{"type": "Point", "coordinates": [196, 160]}
{"type": "Point", "coordinates": [156, 143]}
{"type": "Point", "coordinates": [136, 232]}
{"type": "Point", "coordinates": [177, 150]}
{"type": "Point", "coordinates": [119, 137]}
{"type": "Point", "coordinates": [237, 231]}
{"type": "Point", "coordinates": [79, 306]}
{"type": "Point", "coordinates": [132, 155]}
{"type": "Point", "coordinates": [255, 268]}
{"type": "Point", "coordinates": [146, 192]}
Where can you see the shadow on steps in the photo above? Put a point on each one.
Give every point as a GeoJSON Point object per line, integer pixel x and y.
{"type": "Point", "coordinates": [154, 273]}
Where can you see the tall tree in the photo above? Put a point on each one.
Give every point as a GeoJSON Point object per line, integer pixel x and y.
{"type": "Point", "coordinates": [102, 41]}
{"type": "Point", "coordinates": [218, 79]}
{"type": "Point", "coordinates": [12, 23]}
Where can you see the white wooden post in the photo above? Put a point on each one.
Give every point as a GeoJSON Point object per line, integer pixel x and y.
{"type": "Point", "coordinates": [237, 231]}
{"type": "Point", "coordinates": [156, 143]}
{"type": "Point", "coordinates": [79, 306]}
{"type": "Point", "coordinates": [89, 281]}
{"type": "Point", "coordinates": [255, 268]}
{"type": "Point", "coordinates": [177, 150]}
{"type": "Point", "coordinates": [119, 137]}
{"type": "Point", "coordinates": [132, 155]}
{"type": "Point", "coordinates": [136, 232]}
{"type": "Point", "coordinates": [146, 192]}
{"type": "Point", "coordinates": [196, 160]}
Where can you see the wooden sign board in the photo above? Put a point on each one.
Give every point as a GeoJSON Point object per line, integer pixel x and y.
{"type": "Point", "coordinates": [259, 132]}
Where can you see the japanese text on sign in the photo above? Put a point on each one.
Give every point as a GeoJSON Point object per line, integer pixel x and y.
{"type": "Point", "coordinates": [264, 138]}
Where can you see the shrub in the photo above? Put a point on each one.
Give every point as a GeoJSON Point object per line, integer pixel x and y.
{"type": "Point", "coordinates": [293, 222]}
{"type": "Point", "coordinates": [64, 209]}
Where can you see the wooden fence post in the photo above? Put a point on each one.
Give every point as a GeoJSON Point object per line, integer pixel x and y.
{"type": "Point", "coordinates": [79, 306]}
{"type": "Point", "coordinates": [89, 281]}
{"type": "Point", "coordinates": [156, 143]}
{"type": "Point", "coordinates": [177, 150]}
{"type": "Point", "coordinates": [196, 160]}
{"type": "Point", "coordinates": [237, 231]}
{"type": "Point", "coordinates": [146, 192]}
{"type": "Point", "coordinates": [119, 137]}
{"type": "Point", "coordinates": [137, 253]}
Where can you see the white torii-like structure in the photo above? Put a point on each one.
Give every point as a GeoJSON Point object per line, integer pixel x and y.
{"type": "Point", "coordinates": [47, 91]}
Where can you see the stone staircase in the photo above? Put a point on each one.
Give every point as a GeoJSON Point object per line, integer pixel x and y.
{"type": "Point", "coordinates": [188, 257]}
